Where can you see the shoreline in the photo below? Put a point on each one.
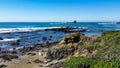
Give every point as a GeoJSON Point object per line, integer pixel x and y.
{"type": "Point", "coordinates": [52, 55]}
{"type": "Point", "coordinates": [33, 56]}
{"type": "Point", "coordinates": [39, 55]}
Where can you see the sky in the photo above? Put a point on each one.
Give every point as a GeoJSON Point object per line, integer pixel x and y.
{"type": "Point", "coordinates": [59, 10]}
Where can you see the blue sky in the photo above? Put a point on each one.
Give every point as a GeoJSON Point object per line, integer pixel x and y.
{"type": "Point", "coordinates": [59, 10]}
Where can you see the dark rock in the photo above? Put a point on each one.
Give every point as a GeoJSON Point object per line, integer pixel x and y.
{"type": "Point", "coordinates": [37, 61]}
{"type": "Point", "coordinates": [3, 66]}
{"type": "Point", "coordinates": [8, 57]}
{"type": "Point", "coordinates": [118, 22]}
{"type": "Point", "coordinates": [74, 21]}
{"type": "Point", "coordinates": [32, 54]}
{"type": "Point", "coordinates": [1, 38]}
{"type": "Point", "coordinates": [44, 38]}
{"type": "Point", "coordinates": [67, 29]}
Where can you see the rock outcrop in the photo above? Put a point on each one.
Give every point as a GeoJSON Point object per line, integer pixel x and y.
{"type": "Point", "coordinates": [67, 29]}
{"type": "Point", "coordinates": [71, 44]}
{"type": "Point", "coordinates": [118, 22]}
{"type": "Point", "coordinates": [1, 38]}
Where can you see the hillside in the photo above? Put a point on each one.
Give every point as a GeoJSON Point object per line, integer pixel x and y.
{"type": "Point", "coordinates": [105, 53]}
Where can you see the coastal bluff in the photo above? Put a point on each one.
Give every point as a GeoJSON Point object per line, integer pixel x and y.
{"type": "Point", "coordinates": [72, 44]}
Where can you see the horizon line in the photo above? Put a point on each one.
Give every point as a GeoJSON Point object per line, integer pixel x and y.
{"type": "Point", "coordinates": [56, 21]}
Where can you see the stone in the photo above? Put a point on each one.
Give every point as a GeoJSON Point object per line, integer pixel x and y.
{"type": "Point", "coordinates": [8, 57]}
{"type": "Point", "coordinates": [74, 21]}
{"type": "Point", "coordinates": [37, 61]}
{"type": "Point", "coordinates": [118, 22]}
{"type": "Point", "coordinates": [3, 66]}
{"type": "Point", "coordinates": [1, 38]}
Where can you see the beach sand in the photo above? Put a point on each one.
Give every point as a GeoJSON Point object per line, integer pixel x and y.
{"type": "Point", "coordinates": [25, 61]}
{"type": "Point", "coordinates": [35, 59]}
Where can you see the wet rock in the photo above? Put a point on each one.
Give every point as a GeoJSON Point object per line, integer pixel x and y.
{"type": "Point", "coordinates": [44, 38]}
{"type": "Point", "coordinates": [118, 22]}
{"type": "Point", "coordinates": [67, 29]}
{"type": "Point", "coordinates": [1, 38]}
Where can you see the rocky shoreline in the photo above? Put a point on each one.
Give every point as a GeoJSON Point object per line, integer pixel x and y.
{"type": "Point", "coordinates": [53, 58]}
{"type": "Point", "coordinates": [36, 52]}
{"type": "Point", "coordinates": [53, 54]}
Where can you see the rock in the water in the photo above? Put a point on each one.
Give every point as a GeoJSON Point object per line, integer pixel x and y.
{"type": "Point", "coordinates": [74, 21]}
{"type": "Point", "coordinates": [118, 22]}
{"type": "Point", "coordinates": [1, 38]}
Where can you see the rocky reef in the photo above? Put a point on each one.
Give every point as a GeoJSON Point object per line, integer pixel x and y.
{"type": "Point", "coordinates": [72, 44]}
{"type": "Point", "coordinates": [118, 22]}
{"type": "Point", "coordinates": [67, 29]}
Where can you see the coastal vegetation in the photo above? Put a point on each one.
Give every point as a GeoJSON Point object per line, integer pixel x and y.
{"type": "Point", "coordinates": [83, 62]}
{"type": "Point", "coordinates": [105, 53]}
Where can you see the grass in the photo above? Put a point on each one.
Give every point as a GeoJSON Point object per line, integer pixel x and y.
{"type": "Point", "coordinates": [82, 62]}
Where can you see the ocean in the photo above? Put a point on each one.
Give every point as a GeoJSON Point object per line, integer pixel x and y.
{"type": "Point", "coordinates": [30, 33]}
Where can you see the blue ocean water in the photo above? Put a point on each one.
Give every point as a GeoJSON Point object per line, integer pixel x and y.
{"type": "Point", "coordinates": [93, 26]}
{"type": "Point", "coordinates": [9, 31]}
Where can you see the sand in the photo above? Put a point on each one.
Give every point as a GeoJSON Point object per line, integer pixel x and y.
{"type": "Point", "coordinates": [27, 60]}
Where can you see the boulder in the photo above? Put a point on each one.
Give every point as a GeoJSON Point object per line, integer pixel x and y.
{"type": "Point", "coordinates": [1, 38]}
{"type": "Point", "coordinates": [118, 22]}
{"type": "Point", "coordinates": [72, 38]}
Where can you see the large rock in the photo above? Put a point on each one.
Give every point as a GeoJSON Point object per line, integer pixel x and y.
{"type": "Point", "coordinates": [118, 22]}
{"type": "Point", "coordinates": [68, 46]}
{"type": "Point", "coordinates": [1, 38]}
